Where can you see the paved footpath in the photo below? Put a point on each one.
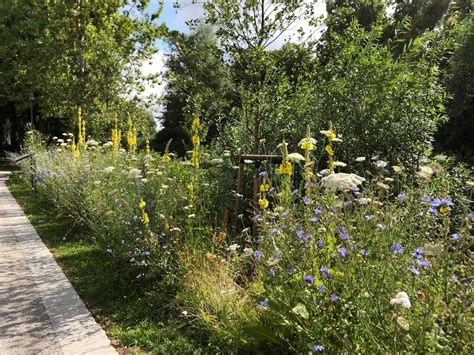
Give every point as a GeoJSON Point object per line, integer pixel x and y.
{"type": "Point", "coordinates": [40, 312]}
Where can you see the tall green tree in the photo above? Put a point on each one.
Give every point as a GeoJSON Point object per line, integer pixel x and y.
{"type": "Point", "coordinates": [74, 53]}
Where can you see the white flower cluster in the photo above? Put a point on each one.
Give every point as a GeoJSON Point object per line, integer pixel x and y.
{"type": "Point", "coordinates": [341, 182]}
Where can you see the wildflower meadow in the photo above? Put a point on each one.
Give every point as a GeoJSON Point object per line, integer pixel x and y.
{"type": "Point", "coordinates": [359, 257]}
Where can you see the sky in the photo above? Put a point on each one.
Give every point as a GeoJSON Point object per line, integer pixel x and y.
{"type": "Point", "coordinates": [176, 18]}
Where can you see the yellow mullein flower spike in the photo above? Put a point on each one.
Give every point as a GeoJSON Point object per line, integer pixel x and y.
{"type": "Point", "coordinates": [166, 157]}
{"type": "Point", "coordinates": [145, 218]}
{"type": "Point", "coordinates": [196, 122]}
{"type": "Point", "coordinates": [286, 168]}
{"type": "Point", "coordinates": [307, 145]}
{"type": "Point", "coordinates": [142, 204]}
{"type": "Point", "coordinates": [329, 150]}
{"type": "Point", "coordinates": [263, 202]}
{"type": "Point", "coordinates": [196, 140]}
{"type": "Point", "coordinates": [264, 187]}
{"type": "Point", "coordinates": [147, 147]}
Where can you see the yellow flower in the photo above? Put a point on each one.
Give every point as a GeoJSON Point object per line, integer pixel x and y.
{"type": "Point", "coordinates": [444, 209]}
{"type": "Point", "coordinates": [142, 204]}
{"type": "Point", "coordinates": [196, 122]}
{"type": "Point", "coordinates": [145, 218]}
{"type": "Point", "coordinates": [264, 187]}
{"type": "Point", "coordinates": [329, 150]}
{"type": "Point", "coordinates": [263, 202]}
{"type": "Point", "coordinates": [166, 157]}
{"type": "Point", "coordinates": [196, 140]}
{"type": "Point", "coordinates": [286, 168]}
{"type": "Point", "coordinates": [307, 145]}
{"type": "Point", "coordinates": [330, 134]}
{"type": "Point", "coordinates": [73, 147]}
{"type": "Point", "coordinates": [190, 187]}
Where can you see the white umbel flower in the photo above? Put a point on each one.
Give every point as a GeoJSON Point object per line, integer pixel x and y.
{"type": "Point", "coordinates": [402, 299]}
{"type": "Point", "coordinates": [134, 173]}
{"type": "Point", "coordinates": [295, 157]}
{"type": "Point", "coordinates": [342, 181]}
{"type": "Point", "coordinates": [109, 169]}
{"type": "Point", "coordinates": [425, 172]}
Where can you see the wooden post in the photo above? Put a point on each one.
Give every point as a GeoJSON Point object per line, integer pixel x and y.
{"type": "Point", "coordinates": [239, 197]}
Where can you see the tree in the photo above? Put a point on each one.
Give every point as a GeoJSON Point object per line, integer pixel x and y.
{"type": "Point", "coordinates": [75, 53]}
{"type": "Point", "coordinates": [198, 83]}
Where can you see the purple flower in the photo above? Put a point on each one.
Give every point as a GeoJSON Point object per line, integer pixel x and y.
{"type": "Point", "coordinates": [334, 297]}
{"type": "Point", "coordinates": [294, 192]}
{"type": "Point", "coordinates": [321, 288]}
{"type": "Point", "coordinates": [423, 263]}
{"type": "Point", "coordinates": [436, 203]}
{"type": "Point", "coordinates": [454, 278]}
{"type": "Point", "coordinates": [425, 198]}
{"type": "Point", "coordinates": [381, 164]}
{"type": "Point", "coordinates": [418, 253]}
{"type": "Point", "coordinates": [258, 254]}
{"type": "Point", "coordinates": [363, 252]}
{"type": "Point", "coordinates": [309, 278]}
{"type": "Point", "coordinates": [306, 200]}
{"type": "Point", "coordinates": [369, 217]}
{"type": "Point", "coordinates": [470, 216]}
{"type": "Point", "coordinates": [263, 303]}
{"type": "Point", "coordinates": [314, 219]}
{"type": "Point", "coordinates": [455, 236]}
{"type": "Point", "coordinates": [135, 218]}
{"type": "Point", "coordinates": [284, 214]}
{"type": "Point", "coordinates": [320, 243]}
{"type": "Point", "coordinates": [415, 271]}
{"type": "Point", "coordinates": [397, 248]}
{"type": "Point", "coordinates": [273, 231]}
{"type": "Point", "coordinates": [341, 229]}
{"type": "Point", "coordinates": [345, 236]}
{"type": "Point", "coordinates": [374, 157]}
{"type": "Point", "coordinates": [299, 234]}
{"type": "Point", "coordinates": [263, 173]}
{"type": "Point", "coordinates": [432, 210]}
{"type": "Point", "coordinates": [318, 210]}
{"type": "Point", "coordinates": [400, 197]}
{"type": "Point", "coordinates": [272, 271]}
{"type": "Point", "coordinates": [318, 348]}
{"type": "Point", "coordinates": [343, 251]}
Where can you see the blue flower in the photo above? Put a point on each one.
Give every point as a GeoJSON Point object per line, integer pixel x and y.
{"type": "Point", "coordinates": [423, 263]}
{"type": "Point", "coordinates": [400, 197]}
{"type": "Point", "coordinates": [263, 303]}
{"type": "Point", "coordinates": [381, 164]}
{"type": "Point", "coordinates": [321, 288]}
{"type": "Point", "coordinates": [455, 236]}
{"type": "Point", "coordinates": [341, 229]}
{"type": "Point", "coordinates": [258, 254]}
{"type": "Point", "coordinates": [309, 279]}
{"type": "Point", "coordinates": [470, 216]}
{"type": "Point", "coordinates": [369, 217]}
{"type": "Point", "coordinates": [374, 157]}
{"type": "Point", "coordinates": [320, 243]}
{"type": "Point", "coordinates": [299, 234]}
{"type": "Point", "coordinates": [425, 198]}
{"type": "Point", "coordinates": [306, 200]}
{"type": "Point", "coordinates": [345, 236]}
{"type": "Point", "coordinates": [397, 248]}
{"type": "Point", "coordinates": [284, 214]}
{"type": "Point", "coordinates": [363, 252]}
{"type": "Point", "coordinates": [318, 210]}
{"type": "Point", "coordinates": [135, 218]}
{"type": "Point", "coordinates": [294, 192]}
{"type": "Point", "coordinates": [318, 348]}
{"type": "Point", "coordinates": [415, 271]}
{"type": "Point", "coordinates": [343, 251]}
{"type": "Point", "coordinates": [314, 219]}
{"type": "Point", "coordinates": [418, 253]}
{"type": "Point", "coordinates": [334, 297]}
{"type": "Point", "coordinates": [432, 210]}
{"type": "Point", "coordinates": [272, 271]}
{"type": "Point", "coordinates": [273, 231]}
{"type": "Point", "coordinates": [263, 173]}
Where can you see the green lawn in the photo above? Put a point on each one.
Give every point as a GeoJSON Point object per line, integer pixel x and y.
{"type": "Point", "coordinates": [130, 317]}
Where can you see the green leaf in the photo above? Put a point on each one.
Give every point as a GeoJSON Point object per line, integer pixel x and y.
{"type": "Point", "coordinates": [261, 333]}
{"type": "Point", "coordinates": [300, 309]}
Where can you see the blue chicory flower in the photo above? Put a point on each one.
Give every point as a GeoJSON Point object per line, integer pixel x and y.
{"type": "Point", "coordinates": [318, 348]}
{"type": "Point", "coordinates": [257, 254]}
{"type": "Point", "coordinates": [423, 263]}
{"type": "Point", "coordinates": [309, 278]}
{"type": "Point", "coordinates": [343, 251]}
{"type": "Point", "coordinates": [397, 248]}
